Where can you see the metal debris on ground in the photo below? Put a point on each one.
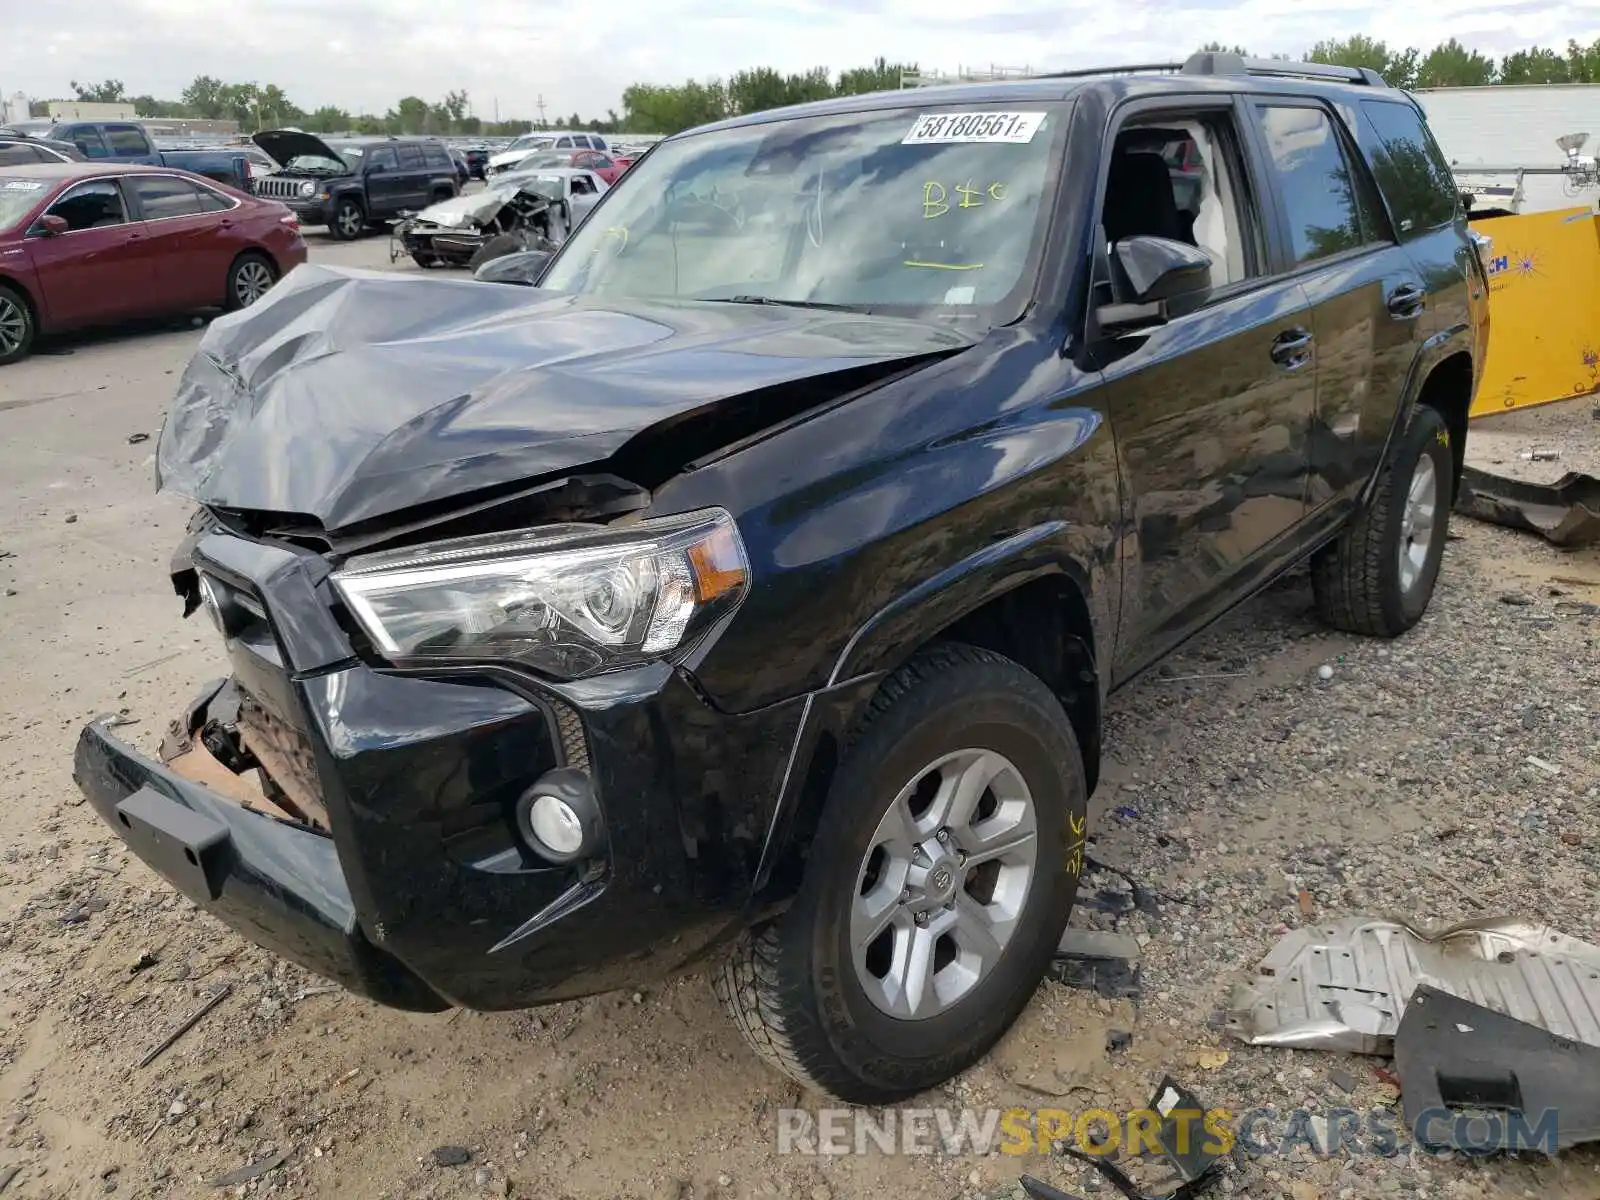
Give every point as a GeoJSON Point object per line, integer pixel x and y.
{"type": "Point", "coordinates": [250, 1171]}
{"type": "Point", "coordinates": [1195, 1162]}
{"type": "Point", "coordinates": [1456, 1057]}
{"type": "Point", "coordinates": [167, 1042]}
{"type": "Point", "coordinates": [1565, 513]}
{"type": "Point", "coordinates": [1344, 985]}
{"type": "Point", "coordinates": [1095, 960]}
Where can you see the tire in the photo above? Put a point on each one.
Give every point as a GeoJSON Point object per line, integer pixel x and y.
{"type": "Point", "coordinates": [498, 246]}
{"type": "Point", "coordinates": [425, 261]}
{"type": "Point", "coordinates": [17, 325]}
{"type": "Point", "coordinates": [794, 987]}
{"type": "Point", "coordinates": [1361, 583]}
{"type": "Point", "coordinates": [249, 278]}
{"type": "Point", "coordinates": [349, 221]}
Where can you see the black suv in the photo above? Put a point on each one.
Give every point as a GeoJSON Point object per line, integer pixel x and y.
{"type": "Point", "coordinates": [356, 184]}
{"type": "Point", "coordinates": [754, 585]}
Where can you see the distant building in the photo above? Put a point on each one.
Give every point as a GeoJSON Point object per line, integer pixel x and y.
{"type": "Point", "coordinates": [15, 109]}
{"type": "Point", "coordinates": [88, 110]}
{"type": "Point", "coordinates": [183, 127]}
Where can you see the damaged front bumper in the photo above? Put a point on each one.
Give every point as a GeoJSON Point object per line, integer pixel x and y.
{"type": "Point", "coordinates": [421, 893]}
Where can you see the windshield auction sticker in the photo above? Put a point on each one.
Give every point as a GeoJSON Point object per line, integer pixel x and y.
{"type": "Point", "coordinates": [947, 128]}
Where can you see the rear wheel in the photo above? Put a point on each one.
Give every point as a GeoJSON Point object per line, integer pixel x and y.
{"type": "Point", "coordinates": [348, 221]}
{"type": "Point", "coordinates": [1378, 577]}
{"type": "Point", "coordinates": [250, 278]}
{"type": "Point", "coordinates": [943, 871]}
{"type": "Point", "coordinates": [17, 327]}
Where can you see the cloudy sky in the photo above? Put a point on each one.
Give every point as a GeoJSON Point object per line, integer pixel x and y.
{"type": "Point", "coordinates": [580, 54]}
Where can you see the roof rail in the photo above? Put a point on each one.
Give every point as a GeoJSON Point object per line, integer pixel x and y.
{"type": "Point", "coordinates": [1167, 68]}
{"type": "Point", "coordinates": [1212, 63]}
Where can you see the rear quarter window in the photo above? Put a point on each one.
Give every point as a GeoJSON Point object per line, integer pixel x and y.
{"type": "Point", "coordinates": [1416, 182]}
{"type": "Point", "coordinates": [126, 141]}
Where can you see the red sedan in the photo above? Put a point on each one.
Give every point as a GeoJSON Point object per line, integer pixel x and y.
{"type": "Point", "coordinates": [601, 164]}
{"type": "Point", "coordinates": [91, 244]}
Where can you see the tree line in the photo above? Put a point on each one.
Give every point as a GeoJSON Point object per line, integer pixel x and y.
{"type": "Point", "coordinates": [668, 108]}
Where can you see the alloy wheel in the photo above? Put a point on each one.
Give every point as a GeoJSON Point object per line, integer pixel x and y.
{"type": "Point", "coordinates": [251, 281]}
{"type": "Point", "coordinates": [350, 220]}
{"type": "Point", "coordinates": [13, 325]}
{"type": "Point", "coordinates": [1416, 523]}
{"type": "Point", "coordinates": [942, 887]}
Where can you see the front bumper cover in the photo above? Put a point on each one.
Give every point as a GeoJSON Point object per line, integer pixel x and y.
{"type": "Point", "coordinates": [424, 894]}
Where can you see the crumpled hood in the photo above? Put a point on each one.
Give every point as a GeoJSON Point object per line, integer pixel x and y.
{"type": "Point", "coordinates": [346, 395]}
{"type": "Point", "coordinates": [468, 208]}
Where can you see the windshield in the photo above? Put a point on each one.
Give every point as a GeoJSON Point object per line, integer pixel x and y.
{"type": "Point", "coordinates": [17, 198]}
{"type": "Point", "coordinates": [349, 159]}
{"type": "Point", "coordinates": [531, 143]}
{"type": "Point", "coordinates": [549, 186]}
{"type": "Point", "coordinates": [545, 159]}
{"type": "Point", "coordinates": [911, 208]}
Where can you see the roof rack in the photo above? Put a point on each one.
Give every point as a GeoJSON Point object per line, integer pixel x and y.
{"type": "Point", "coordinates": [1212, 63]}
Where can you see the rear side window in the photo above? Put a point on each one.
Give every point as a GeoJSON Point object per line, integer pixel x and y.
{"type": "Point", "coordinates": [213, 201]}
{"type": "Point", "coordinates": [1409, 167]}
{"type": "Point", "coordinates": [411, 158]}
{"type": "Point", "coordinates": [1320, 198]}
{"type": "Point", "coordinates": [161, 197]}
{"type": "Point", "coordinates": [125, 141]}
{"type": "Point", "coordinates": [17, 155]}
{"type": "Point", "coordinates": [437, 156]}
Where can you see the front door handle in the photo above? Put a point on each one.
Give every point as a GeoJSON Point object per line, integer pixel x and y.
{"type": "Point", "coordinates": [1291, 349]}
{"type": "Point", "coordinates": [1406, 302]}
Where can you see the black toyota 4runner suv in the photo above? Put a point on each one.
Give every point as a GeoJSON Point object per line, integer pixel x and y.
{"type": "Point", "coordinates": [355, 184]}
{"type": "Point", "coordinates": [753, 586]}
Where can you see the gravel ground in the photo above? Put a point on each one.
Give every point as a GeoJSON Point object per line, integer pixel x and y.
{"type": "Point", "coordinates": [1237, 778]}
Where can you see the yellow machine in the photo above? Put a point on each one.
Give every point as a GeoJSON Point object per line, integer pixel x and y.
{"type": "Point", "coordinates": [1544, 309]}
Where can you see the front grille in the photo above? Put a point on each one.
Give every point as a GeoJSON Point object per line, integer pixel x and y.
{"type": "Point", "coordinates": [277, 189]}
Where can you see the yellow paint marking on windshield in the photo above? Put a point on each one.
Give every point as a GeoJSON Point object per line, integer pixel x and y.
{"type": "Point", "coordinates": [933, 266]}
{"type": "Point", "coordinates": [936, 197]}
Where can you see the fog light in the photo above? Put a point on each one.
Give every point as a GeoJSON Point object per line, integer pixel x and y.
{"type": "Point", "coordinates": [559, 818]}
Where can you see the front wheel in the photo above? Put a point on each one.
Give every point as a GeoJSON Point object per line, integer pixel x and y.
{"type": "Point", "coordinates": [943, 870]}
{"type": "Point", "coordinates": [348, 221]}
{"type": "Point", "coordinates": [1378, 577]}
{"type": "Point", "coordinates": [16, 326]}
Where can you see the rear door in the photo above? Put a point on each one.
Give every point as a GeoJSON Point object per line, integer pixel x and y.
{"type": "Point", "coordinates": [1366, 294]}
{"type": "Point", "coordinates": [184, 232]}
{"type": "Point", "coordinates": [94, 272]}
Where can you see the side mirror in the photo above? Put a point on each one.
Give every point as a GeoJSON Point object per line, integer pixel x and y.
{"type": "Point", "coordinates": [51, 225]}
{"type": "Point", "coordinates": [1155, 279]}
{"type": "Point", "coordinates": [521, 266]}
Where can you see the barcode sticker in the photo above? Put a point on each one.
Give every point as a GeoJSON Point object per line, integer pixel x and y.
{"type": "Point", "coordinates": [934, 129]}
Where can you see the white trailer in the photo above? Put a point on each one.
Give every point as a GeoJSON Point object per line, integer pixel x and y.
{"type": "Point", "coordinates": [1516, 128]}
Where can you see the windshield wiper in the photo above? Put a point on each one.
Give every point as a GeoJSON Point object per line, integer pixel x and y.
{"type": "Point", "coordinates": [784, 303]}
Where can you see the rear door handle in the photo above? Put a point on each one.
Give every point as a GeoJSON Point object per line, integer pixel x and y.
{"type": "Point", "coordinates": [1407, 302]}
{"type": "Point", "coordinates": [1291, 349]}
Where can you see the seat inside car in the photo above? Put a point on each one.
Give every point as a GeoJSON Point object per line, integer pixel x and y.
{"type": "Point", "coordinates": [1140, 200]}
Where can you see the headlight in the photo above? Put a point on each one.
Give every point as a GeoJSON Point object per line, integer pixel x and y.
{"type": "Point", "coordinates": [308, 189]}
{"type": "Point", "coordinates": [568, 600]}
